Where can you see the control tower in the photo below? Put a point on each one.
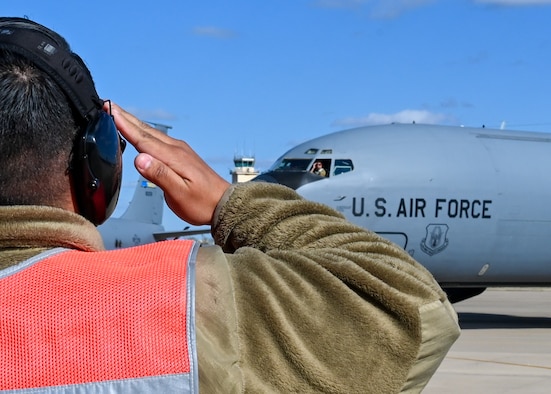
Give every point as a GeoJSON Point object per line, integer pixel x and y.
{"type": "Point", "coordinates": [243, 170]}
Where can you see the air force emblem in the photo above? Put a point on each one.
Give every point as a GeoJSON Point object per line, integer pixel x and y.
{"type": "Point", "coordinates": [436, 239]}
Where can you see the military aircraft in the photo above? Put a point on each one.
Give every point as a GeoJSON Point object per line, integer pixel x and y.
{"type": "Point", "coordinates": [141, 223]}
{"type": "Point", "coordinates": [470, 204]}
{"type": "Point", "coordinates": [141, 220]}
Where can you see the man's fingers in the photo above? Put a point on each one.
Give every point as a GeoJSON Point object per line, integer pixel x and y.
{"type": "Point", "coordinates": [191, 187]}
{"type": "Point", "coordinates": [143, 162]}
{"type": "Point", "coordinates": [136, 131]}
{"type": "Point", "coordinates": [158, 172]}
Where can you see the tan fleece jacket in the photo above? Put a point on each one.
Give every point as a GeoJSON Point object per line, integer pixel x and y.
{"type": "Point", "coordinates": [294, 300]}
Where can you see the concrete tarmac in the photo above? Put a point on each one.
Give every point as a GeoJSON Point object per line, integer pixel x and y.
{"type": "Point", "coordinates": [504, 347]}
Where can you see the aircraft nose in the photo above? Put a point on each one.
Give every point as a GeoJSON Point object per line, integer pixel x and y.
{"type": "Point", "coordinates": [292, 179]}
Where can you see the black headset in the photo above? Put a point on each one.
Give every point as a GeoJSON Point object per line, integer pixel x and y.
{"type": "Point", "coordinates": [96, 168]}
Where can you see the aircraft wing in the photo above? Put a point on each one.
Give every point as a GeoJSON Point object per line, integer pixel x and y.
{"type": "Point", "coordinates": [177, 234]}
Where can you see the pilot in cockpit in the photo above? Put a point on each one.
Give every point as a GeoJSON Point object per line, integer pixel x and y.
{"type": "Point", "coordinates": [317, 168]}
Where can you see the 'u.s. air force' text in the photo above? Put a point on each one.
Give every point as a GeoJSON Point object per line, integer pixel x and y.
{"type": "Point", "coordinates": [421, 207]}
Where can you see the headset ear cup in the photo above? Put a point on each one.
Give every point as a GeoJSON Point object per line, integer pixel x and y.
{"type": "Point", "coordinates": [97, 169]}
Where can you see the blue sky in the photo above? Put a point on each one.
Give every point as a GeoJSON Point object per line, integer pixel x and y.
{"type": "Point", "coordinates": [258, 77]}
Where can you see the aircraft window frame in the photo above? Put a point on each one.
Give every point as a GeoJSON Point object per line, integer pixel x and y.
{"type": "Point", "coordinates": [342, 166]}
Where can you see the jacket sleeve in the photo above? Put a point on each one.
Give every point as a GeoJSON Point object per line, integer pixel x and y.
{"type": "Point", "coordinates": [322, 305]}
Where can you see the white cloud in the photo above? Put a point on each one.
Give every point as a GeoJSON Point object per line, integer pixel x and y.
{"type": "Point", "coordinates": [454, 103]}
{"type": "Point", "coordinates": [379, 9]}
{"type": "Point", "coordinates": [405, 116]}
{"type": "Point", "coordinates": [214, 32]}
{"type": "Point", "coordinates": [514, 2]}
{"type": "Point", "coordinates": [340, 3]}
{"type": "Point", "coordinates": [387, 9]}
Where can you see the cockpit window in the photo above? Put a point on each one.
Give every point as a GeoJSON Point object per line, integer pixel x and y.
{"type": "Point", "coordinates": [342, 166]}
{"type": "Point", "coordinates": [311, 151]}
{"type": "Point", "coordinates": [337, 167]}
{"type": "Point", "coordinates": [287, 164]}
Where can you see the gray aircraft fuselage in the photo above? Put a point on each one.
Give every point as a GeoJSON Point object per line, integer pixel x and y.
{"type": "Point", "coordinates": [470, 204]}
{"type": "Point", "coordinates": [140, 222]}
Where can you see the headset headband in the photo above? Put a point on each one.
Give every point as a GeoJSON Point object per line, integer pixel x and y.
{"type": "Point", "coordinates": [96, 164]}
{"type": "Point", "coordinates": [54, 58]}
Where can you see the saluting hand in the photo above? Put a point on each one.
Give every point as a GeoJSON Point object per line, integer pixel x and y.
{"type": "Point", "coordinates": [192, 189]}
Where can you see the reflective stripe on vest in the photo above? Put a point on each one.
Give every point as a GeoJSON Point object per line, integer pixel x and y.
{"type": "Point", "coordinates": [113, 321]}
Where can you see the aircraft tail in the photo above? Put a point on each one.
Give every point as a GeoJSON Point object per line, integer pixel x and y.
{"type": "Point", "coordinates": [147, 203]}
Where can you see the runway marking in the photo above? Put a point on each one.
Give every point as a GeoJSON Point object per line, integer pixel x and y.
{"type": "Point", "coordinates": [499, 362]}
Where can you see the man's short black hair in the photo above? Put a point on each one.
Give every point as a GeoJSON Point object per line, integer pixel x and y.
{"type": "Point", "coordinates": [37, 130]}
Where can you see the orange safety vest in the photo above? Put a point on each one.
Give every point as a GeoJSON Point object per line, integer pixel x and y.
{"type": "Point", "coordinates": [112, 321]}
